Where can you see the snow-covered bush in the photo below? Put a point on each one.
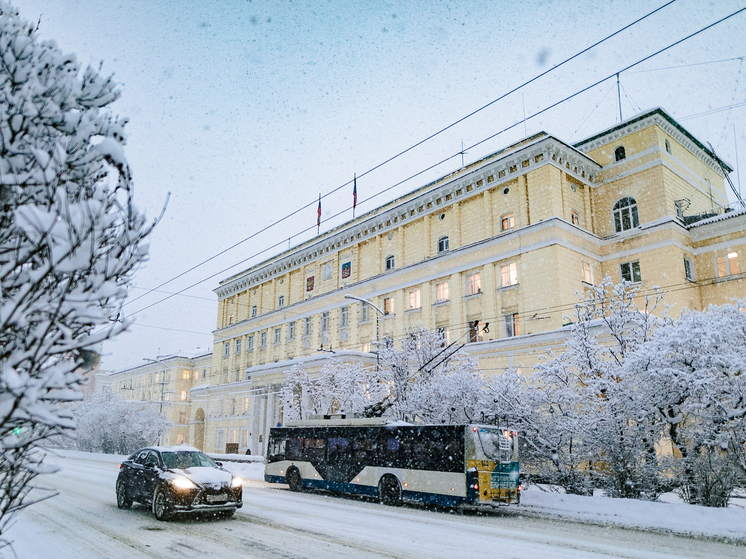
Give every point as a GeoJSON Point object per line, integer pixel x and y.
{"type": "Point", "coordinates": [104, 423]}
{"type": "Point", "coordinates": [70, 238]}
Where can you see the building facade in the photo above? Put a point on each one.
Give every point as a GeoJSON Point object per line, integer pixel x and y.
{"type": "Point", "coordinates": [507, 241]}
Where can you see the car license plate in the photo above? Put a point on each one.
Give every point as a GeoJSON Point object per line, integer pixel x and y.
{"type": "Point", "coordinates": [222, 497]}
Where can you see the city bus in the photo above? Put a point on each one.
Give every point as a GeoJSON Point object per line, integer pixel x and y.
{"type": "Point", "coordinates": [449, 465]}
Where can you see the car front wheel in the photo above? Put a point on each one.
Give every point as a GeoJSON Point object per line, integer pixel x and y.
{"type": "Point", "coordinates": [123, 500]}
{"type": "Point", "coordinates": [293, 479]}
{"type": "Point", "coordinates": [161, 508]}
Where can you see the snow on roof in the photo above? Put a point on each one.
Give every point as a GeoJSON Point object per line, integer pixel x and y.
{"type": "Point", "coordinates": [721, 217]}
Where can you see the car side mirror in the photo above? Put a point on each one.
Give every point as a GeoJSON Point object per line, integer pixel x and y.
{"type": "Point", "coordinates": [220, 464]}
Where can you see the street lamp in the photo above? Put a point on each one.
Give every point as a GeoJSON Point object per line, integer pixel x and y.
{"type": "Point", "coordinates": [380, 314]}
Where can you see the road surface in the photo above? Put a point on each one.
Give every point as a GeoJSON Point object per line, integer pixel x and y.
{"type": "Point", "coordinates": [83, 522]}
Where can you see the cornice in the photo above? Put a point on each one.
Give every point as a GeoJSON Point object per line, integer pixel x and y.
{"type": "Point", "coordinates": [547, 150]}
{"type": "Point", "coordinates": [655, 118]}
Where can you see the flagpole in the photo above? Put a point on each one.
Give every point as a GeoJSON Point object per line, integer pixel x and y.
{"type": "Point", "coordinates": [318, 217]}
{"type": "Point", "coordinates": [354, 194]}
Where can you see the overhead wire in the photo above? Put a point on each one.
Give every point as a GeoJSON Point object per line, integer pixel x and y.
{"type": "Point", "coordinates": [492, 136]}
{"type": "Point", "coordinates": [410, 148]}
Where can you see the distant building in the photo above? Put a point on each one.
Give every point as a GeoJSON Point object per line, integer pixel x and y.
{"type": "Point", "coordinates": [507, 240]}
{"type": "Point", "coordinates": [165, 383]}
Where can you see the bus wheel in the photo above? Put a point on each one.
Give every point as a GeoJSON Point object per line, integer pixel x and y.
{"type": "Point", "coordinates": [292, 478]}
{"type": "Point", "coordinates": [389, 491]}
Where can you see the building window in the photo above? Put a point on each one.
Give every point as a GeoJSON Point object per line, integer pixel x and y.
{"type": "Point", "coordinates": [278, 335]}
{"type": "Point", "coordinates": [325, 321]}
{"type": "Point", "coordinates": [444, 334]}
{"type": "Point", "coordinates": [309, 283]}
{"type": "Point", "coordinates": [620, 153]}
{"type": "Point", "coordinates": [575, 218]}
{"type": "Point", "coordinates": [180, 438]}
{"type": "Point", "coordinates": [689, 269]}
{"type": "Point", "coordinates": [307, 326]}
{"type": "Point", "coordinates": [390, 262]}
{"type": "Point", "coordinates": [263, 339]}
{"type": "Point", "coordinates": [512, 326]}
{"type": "Point", "coordinates": [507, 222]}
{"type": "Point", "coordinates": [291, 331]}
{"type": "Point", "coordinates": [630, 271]}
{"type": "Point", "coordinates": [441, 291]}
{"type": "Point", "coordinates": [250, 343]}
{"type": "Point", "coordinates": [281, 301]}
{"type": "Point", "coordinates": [238, 346]}
{"type": "Point", "coordinates": [473, 284]}
{"type": "Point", "coordinates": [414, 299]}
{"type": "Point", "coordinates": [443, 244]}
{"type": "Point", "coordinates": [185, 375]}
{"type": "Point", "coordinates": [183, 395]}
{"type": "Point", "coordinates": [344, 317]}
{"type": "Point", "coordinates": [388, 305]}
{"type": "Point", "coordinates": [728, 265]}
{"type": "Point", "coordinates": [509, 275]}
{"type": "Point", "coordinates": [668, 146]}
{"type": "Point", "coordinates": [475, 331]}
{"type": "Point", "coordinates": [246, 401]}
{"type": "Point", "coordinates": [365, 348]}
{"type": "Point", "coordinates": [364, 313]}
{"type": "Point", "coordinates": [625, 215]}
{"type": "Point", "coordinates": [182, 417]}
{"type": "Point", "coordinates": [587, 273]}
{"type": "Point", "coordinates": [227, 349]}
{"type": "Point", "coordinates": [230, 319]}
{"type": "Point", "coordinates": [253, 311]}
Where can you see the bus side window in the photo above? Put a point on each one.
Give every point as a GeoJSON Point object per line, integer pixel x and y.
{"type": "Point", "coordinates": [293, 449]}
{"type": "Point", "coordinates": [337, 450]}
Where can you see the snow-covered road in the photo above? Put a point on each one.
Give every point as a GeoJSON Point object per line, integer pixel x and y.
{"type": "Point", "coordinates": [83, 522]}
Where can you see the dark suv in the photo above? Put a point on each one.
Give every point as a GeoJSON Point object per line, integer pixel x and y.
{"type": "Point", "coordinates": [177, 480]}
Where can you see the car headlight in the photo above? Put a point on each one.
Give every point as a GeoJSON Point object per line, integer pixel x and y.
{"type": "Point", "coordinates": [236, 483]}
{"type": "Point", "coordinates": [183, 483]}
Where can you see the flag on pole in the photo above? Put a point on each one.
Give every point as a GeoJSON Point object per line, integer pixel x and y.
{"type": "Point", "coordinates": [354, 195]}
{"type": "Point", "coordinates": [318, 216]}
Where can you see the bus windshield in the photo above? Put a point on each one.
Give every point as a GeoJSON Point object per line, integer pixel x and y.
{"type": "Point", "coordinates": [495, 444]}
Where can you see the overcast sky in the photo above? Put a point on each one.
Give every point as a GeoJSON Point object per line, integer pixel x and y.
{"type": "Point", "coordinates": [247, 110]}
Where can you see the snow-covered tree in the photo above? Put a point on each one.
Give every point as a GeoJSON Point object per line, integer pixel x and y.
{"type": "Point", "coordinates": [104, 423]}
{"type": "Point", "coordinates": [70, 238]}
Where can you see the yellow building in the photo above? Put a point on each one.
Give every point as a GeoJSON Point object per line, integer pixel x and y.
{"type": "Point", "coordinates": [165, 382]}
{"type": "Point", "coordinates": [508, 240]}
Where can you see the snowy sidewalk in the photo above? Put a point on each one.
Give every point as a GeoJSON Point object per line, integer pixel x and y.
{"type": "Point", "coordinates": [681, 518]}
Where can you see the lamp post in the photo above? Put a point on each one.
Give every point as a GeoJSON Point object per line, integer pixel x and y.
{"type": "Point", "coordinates": [378, 318]}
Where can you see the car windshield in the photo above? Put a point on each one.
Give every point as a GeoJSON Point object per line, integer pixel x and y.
{"type": "Point", "coordinates": [187, 459]}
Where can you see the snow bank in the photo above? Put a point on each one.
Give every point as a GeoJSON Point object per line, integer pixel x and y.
{"type": "Point", "coordinates": [676, 517]}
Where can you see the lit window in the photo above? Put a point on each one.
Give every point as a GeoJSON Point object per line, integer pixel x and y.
{"type": "Point", "coordinates": [364, 313]}
{"type": "Point", "coordinates": [441, 291]}
{"type": "Point", "coordinates": [325, 321]}
{"type": "Point", "coordinates": [575, 218]}
{"type": "Point", "coordinates": [414, 299]}
{"type": "Point", "coordinates": [263, 339]}
{"type": "Point", "coordinates": [473, 284]}
{"type": "Point", "coordinates": [278, 335]}
{"type": "Point", "coordinates": [620, 153]}
{"type": "Point", "coordinates": [728, 265]}
{"type": "Point", "coordinates": [587, 273]}
{"type": "Point", "coordinates": [180, 438]}
{"type": "Point", "coordinates": [512, 327]}
{"type": "Point", "coordinates": [689, 269]}
{"type": "Point", "coordinates": [442, 244]}
{"type": "Point", "coordinates": [246, 401]}
{"type": "Point", "coordinates": [475, 331]}
{"type": "Point", "coordinates": [366, 347]}
{"type": "Point", "coordinates": [291, 331]}
{"type": "Point", "coordinates": [281, 301]}
{"type": "Point", "coordinates": [182, 417]}
{"type": "Point", "coordinates": [307, 326]}
{"type": "Point", "coordinates": [186, 375]}
{"type": "Point", "coordinates": [507, 222]}
{"type": "Point", "coordinates": [509, 275]}
{"type": "Point", "coordinates": [253, 311]}
{"type": "Point", "coordinates": [344, 317]}
{"type": "Point", "coordinates": [388, 305]}
{"type": "Point", "coordinates": [625, 215]}
{"type": "Point", "coordinates": [227, 349]}
{"type": "Point", "coordinates": [390, 262]}
{"type": "Point", "coordinates": [183, 395]}
{"type": "Point", "coordinates": [250, 343]}
{"type": "Point", "coordinates": [238, 346]}
{"type": "Point", "coordinates": [630, 271]}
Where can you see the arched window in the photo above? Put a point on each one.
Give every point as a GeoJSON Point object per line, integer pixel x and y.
{"type": "Point", "coordinates": [619, 153]}
{"type": "Point", "coordinates": [390, 262]}
{"type": "Point", "coordinates": [443, 244]}
{"type": "Point", "coordinates": [507, 222]}
{"type": "Point", "coordinates": [668, 146]}
{"type": "Point", "coordinates": [625, 215]}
